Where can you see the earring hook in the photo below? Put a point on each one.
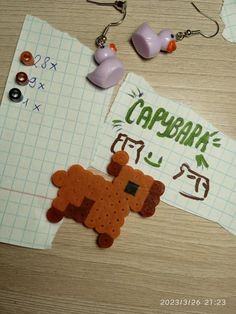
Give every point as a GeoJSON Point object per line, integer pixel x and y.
{"type": "Point", "coordinates": [188, 33]}
{"type": "Point", "coordinates": [118, 5]}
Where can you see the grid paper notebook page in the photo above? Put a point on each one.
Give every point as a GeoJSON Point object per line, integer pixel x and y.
{"type": "Point", "coordinates": [228, 15]}
{"type": "Point", "coordinates": [172, 143]}
{"type": "Point", "coordinates": [54, 126]}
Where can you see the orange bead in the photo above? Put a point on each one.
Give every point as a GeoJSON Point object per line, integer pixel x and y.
{"type": "Point", "coordinates": [113, 47]}
{"type": "Point", "coordinates": [121, 157]}
{"type": "Point", "coordinates": [26, 58]}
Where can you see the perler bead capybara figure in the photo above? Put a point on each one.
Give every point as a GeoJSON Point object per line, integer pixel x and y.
{"type": "Point", "coordinates": [101, 204]}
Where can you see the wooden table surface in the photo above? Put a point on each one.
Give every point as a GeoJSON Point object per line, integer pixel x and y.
{"type": "Point", "coordinates": [174, 255]}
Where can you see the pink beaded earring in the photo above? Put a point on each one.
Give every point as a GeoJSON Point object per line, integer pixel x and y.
{"type": "Point", "coordinates": [148, 44]}
{"type": "Point", "coordinates": [110, 69]}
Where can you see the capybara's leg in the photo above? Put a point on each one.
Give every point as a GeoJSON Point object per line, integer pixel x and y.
{"type": "Point", "coordinates": [104, 240]}
{"type": "Point", "coordinates": [153, 199]}
{"type": "Point", "coordinates": [68, 213]}
{"type": "Point", "coordinates": [54, 215]}
{"type": "Point", "coordinates": [148, 208]}
{"type": "Point", "coordinates": [157, 188]}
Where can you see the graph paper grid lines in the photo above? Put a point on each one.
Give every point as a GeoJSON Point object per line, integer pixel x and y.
{"type": "Point", "coordinates": [228, 15]}
{"type": "Point", "coordinates": [56, 125]}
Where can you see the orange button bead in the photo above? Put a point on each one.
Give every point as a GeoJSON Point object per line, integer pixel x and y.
{"type": "Point", "coordinates": [27, 58]}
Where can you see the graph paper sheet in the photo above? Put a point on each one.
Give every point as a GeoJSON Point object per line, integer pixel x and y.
{"type": "Point", "coordinates": [55, 126]}
{"type": "Point", "coordinates": [228, 15]}
{"type": "Point", "coordinates": [170, 142]}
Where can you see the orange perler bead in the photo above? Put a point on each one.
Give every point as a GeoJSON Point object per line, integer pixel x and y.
{"type": "Point", "coordinates": [113, 47]}
{"type": "Point", "coordinates": [26, 58]}
{"type": "Point", "coordinates": [103, 205]}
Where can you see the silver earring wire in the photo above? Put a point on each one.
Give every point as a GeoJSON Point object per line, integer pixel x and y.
{"type": "Point", "coordinates": [188, 33]}
{"type": "Point", "coordinates": [118, 5]}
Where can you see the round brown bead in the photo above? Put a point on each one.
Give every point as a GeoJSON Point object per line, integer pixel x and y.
{"type": "Point", "coordinates": [22, 78]}
{"type": "Point", "coordinates": [105, 241]}
{"type": "Point", "coordinates": [27, 58]}
{"type": "Point", "coordinates": [148, 208]}
{"type": "Point", "coordinates": [54, 215]}
{"type": "Point", "coordinates": [114, 169]}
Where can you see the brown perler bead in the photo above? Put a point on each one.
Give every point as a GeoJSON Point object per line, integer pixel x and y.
{"type": "Point", "coordinates": [22, 78]}
{"type": "Point", "coordinates": [26, 58]}
{"type": "Point", "coordinates": [148, 208]}
{"type": "Point", "coordinates": [114, 169]}
{"type": "Point", "coordinates": [105, 241]}
{"type": "Point", "coordinates": [103, 205]}
{"type": "Point", "coordinates": [81, 213]}
{"type": "Point", "coordinates": [54, 215]}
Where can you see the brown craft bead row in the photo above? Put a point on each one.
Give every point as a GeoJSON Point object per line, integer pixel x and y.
{"type": "Point", "coordinates": [21, 78]}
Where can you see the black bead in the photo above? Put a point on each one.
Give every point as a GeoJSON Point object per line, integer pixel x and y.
{"type": "Point", "coordinates": [15, 95]}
